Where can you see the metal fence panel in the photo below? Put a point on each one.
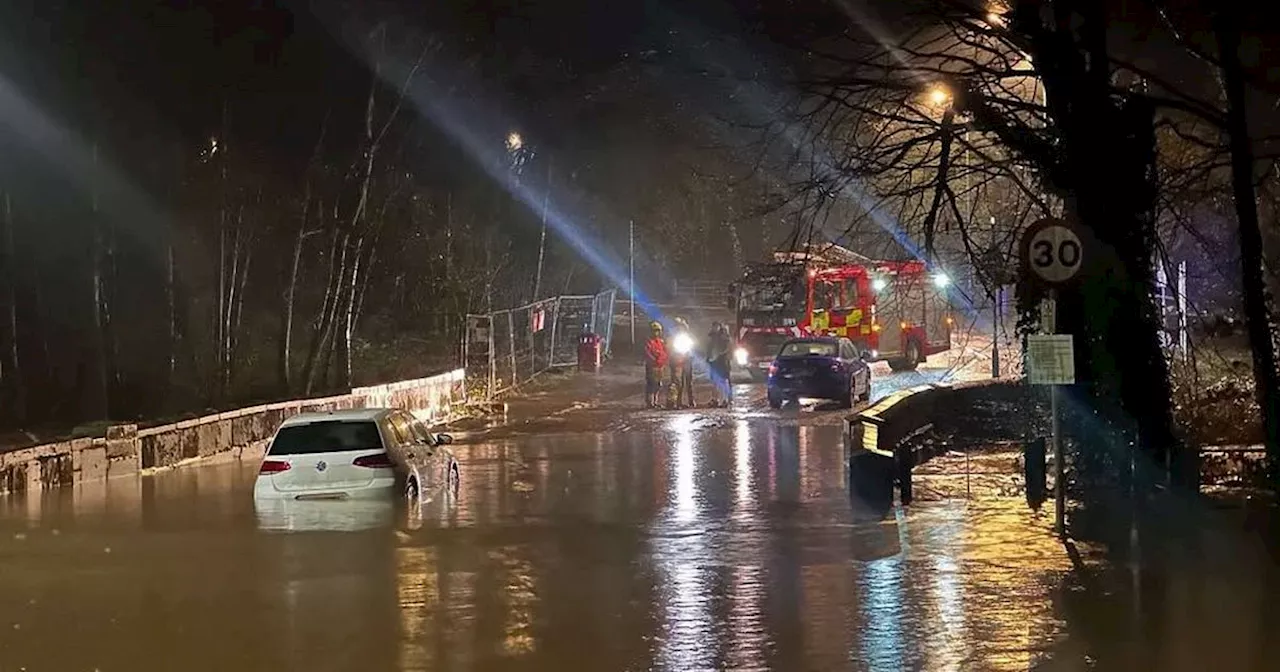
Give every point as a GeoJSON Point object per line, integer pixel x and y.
{"type": "Point", "coordinates": [602, 317]}
{"type": "Point", "coordinates": [574, 318]}
{"type": "Point", "coordinates": [507, 347]}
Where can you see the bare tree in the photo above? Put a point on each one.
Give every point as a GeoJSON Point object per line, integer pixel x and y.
{"type": "Point", "coordinates": [1253, 275]}
{"type": "Point", "coordinates": [921, 128]}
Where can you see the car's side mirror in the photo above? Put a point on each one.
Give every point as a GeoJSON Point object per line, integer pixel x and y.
{"type": "Point", "coordinates": [864, 355]}
{"type": "Point", "coordinates": [444, 439]}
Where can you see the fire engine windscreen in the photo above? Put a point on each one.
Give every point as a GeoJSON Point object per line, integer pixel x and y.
{"type": "Point", "coordinates": [782, 289]}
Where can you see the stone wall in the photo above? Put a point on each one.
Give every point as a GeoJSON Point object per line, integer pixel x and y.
{"type": "Point", "coordinates": [239, 434]}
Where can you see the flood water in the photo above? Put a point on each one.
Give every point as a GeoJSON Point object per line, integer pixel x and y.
{"type": "Point", "coordinates": [690, 541]}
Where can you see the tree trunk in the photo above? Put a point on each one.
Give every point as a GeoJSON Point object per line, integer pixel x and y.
{"type": "Point", "coordinates": [238, 305]}
{"type": "Point", "coordinates": [14, 400]}
{"type": "Point", "coordinates": [219, 322]}
{"type": "Point", "coordinates": [171, 301]}
{"type": "Point", "coordinates": [224, 318]}
{"type": "Point", "coordinates": [97, 390]}
{"type": "Point", "coordinates": [1252, 273]}
{"type": "Point", "coordinates": [284, 374]}
{"type": "Point", "coordinates": [351, 298]}
{"type": "Point", "coordinates": [1107, 165]}
{"type": "Point", "coordinates": [110, 333]}
{"type": "Point", "coordinates": [324, 325]}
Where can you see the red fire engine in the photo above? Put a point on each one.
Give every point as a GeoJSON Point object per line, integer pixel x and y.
{"type": "Point", "coordinates": [895, 311]}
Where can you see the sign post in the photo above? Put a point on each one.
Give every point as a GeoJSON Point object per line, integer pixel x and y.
{"type": "Point", "coordinates": [1052, 254]}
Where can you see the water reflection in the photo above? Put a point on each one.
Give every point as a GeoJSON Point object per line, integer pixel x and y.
{"type": "Point", "coordinates": [691, 546]}
{"type": "Point", "coordinates": [324, 516]}
{"type": "Point", "coordinates": [881, 598]}
{"type": "Point", "coordinates": [680, 550]}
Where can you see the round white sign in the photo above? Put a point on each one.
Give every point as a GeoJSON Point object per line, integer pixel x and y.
{"type": "Point", "coordinates": [1055, 253]}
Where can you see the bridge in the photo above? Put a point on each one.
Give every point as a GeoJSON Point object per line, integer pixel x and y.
{"type": "Point", "coordinates": [884, 442]}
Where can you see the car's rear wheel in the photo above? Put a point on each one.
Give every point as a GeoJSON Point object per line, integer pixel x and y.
{"type": "Point", "coordinates": [846, 400]}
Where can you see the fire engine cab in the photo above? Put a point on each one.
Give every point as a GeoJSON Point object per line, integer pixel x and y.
{"type": "Point", "coordinates": [894, 311]}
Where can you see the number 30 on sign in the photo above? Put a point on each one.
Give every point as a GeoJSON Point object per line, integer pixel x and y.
{"type": "Point", "coordinates": [1052, 251]}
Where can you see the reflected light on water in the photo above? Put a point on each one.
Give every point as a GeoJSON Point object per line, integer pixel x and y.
{"type": "Point", "coordinates": [882, 596]}
{"type": "Point", "coordinates": [747, 630]}
{"type": "Point", "coordinates": [685, 589]}
{"type": "Point", "coordinates": [521, 596]}
{"type": "Point", "coordinates": [949, 601]}
{"type": "Point", "coordinates": [743, 500]}
{"type": "Point", "coordinates": [684, 464]}
{"type": "Point", "coordinates": [417, 592]}
{"type": "Point", "coordinates": [287, 515]}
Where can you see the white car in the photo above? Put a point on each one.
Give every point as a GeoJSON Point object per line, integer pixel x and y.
{"type": "Point", "coordinates": [355, 454]}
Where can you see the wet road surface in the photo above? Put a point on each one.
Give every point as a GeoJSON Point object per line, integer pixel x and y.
{"type": "Point", "coordinates": [666, 541]}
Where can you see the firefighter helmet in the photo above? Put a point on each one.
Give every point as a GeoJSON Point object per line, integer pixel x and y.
{"type": "Point", "coordinates": [655, 326]}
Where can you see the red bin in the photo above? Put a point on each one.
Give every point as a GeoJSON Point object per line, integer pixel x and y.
{"type": "Point", "coordinates": [589, 352]}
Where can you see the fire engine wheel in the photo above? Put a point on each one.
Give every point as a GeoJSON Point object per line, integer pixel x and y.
{"type": "Point", "coordinates": [910, 359]}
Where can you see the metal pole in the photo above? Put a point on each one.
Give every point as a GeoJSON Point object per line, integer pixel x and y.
{"type": "Point", "coordinates": [996, 293]}
{"type": "Point", "coordinates": [1059, 487]}
{"type": "Point", "coordinates": [511, 342]}
{"type": "Point", "coordinates": [995, 333]}
{"type": "Point", "coordinates": [1182, 309]}
{"type": "Point", "coordinates": [542, 243]}
{"type": "Point", "coordinates": [555, 326]}
{"type": "Point", "coordinates": [631, 281]}
{"type": "Point", "coordinates": [493, 362]}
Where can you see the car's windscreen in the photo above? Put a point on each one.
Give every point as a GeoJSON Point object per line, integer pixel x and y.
{"type": "Point", "coordinates": [327, 437]}
{"type": "Point", "coordinates": [807, 348]}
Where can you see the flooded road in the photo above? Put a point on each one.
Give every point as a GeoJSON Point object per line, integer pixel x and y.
{"type": "Point", "coordinates": [673, 541]}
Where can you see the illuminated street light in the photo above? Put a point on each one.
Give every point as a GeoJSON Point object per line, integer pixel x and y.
{"type": "Point", "coordinates": [514, 142]}
{"type": "Point", "coordinates": [939, 95]}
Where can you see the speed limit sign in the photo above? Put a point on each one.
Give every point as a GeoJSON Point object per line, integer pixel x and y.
{"type": "Point", "coordinates": [1052, 251]}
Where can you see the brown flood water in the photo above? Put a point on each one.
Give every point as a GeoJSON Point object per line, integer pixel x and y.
{"type": "Point", "coordinates": [695, 542]}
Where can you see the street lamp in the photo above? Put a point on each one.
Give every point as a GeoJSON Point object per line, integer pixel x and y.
{"type": "Point", "coordinates": [514, 142]}
{"type": "Point", "coordinates": [939, 95]}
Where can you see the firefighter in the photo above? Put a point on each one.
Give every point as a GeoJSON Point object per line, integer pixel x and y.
{"type": "Point", "coordinates": [655, 362]}
{"type": "Point", "coordinates": [718, 346]}
{"type": "Point", "coordinates": [680, 350]}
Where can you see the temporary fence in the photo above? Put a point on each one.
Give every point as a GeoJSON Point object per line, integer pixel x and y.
{"type": "Point", "coordinates": [505, 348]}
{"type": "Point", "coordinates": [1171, 302]}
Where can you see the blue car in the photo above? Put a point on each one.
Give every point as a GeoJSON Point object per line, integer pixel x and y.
{"type": "Point", "coordinates": [819, 367]}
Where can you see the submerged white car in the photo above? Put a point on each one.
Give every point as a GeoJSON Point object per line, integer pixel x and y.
{"type": "Point", "coordinates": [355, 454]}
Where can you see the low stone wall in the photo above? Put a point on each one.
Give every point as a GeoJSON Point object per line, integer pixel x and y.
{"type": "Point", "coordinates": [239, 434]}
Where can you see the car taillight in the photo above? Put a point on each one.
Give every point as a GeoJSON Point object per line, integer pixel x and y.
{"type": "Point", "coordinates": [379, 461]}
{"type": "Point", "coordinates": [273, 467]}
